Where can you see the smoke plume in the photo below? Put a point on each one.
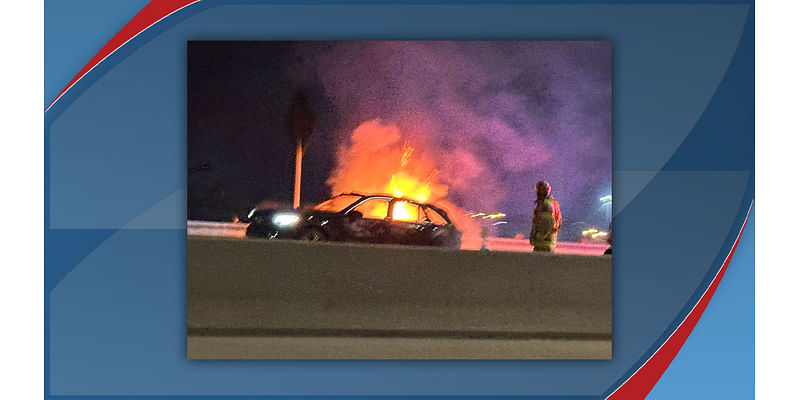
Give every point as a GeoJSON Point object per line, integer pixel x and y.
{"type": "Point", "coordinates": [489, 118]}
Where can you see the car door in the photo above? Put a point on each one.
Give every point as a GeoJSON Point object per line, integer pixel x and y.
{"type": "Point", "coordinates": [408, 223]}
{"type": "Point", "coordinates": [436, 231]}
{"type": "Point", "coordinates": [371, 227]}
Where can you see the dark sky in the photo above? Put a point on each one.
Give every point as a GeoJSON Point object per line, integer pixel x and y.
{"type": "Point", "coordinates": [498, 115]}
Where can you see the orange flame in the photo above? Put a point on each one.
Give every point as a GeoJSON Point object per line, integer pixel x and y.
{"type": "Point", "coordinates": [403, 211]}
{"type": "Point", "coordinates": [378, 160]}
{"type": "Point", "coordinates": [404, 185]}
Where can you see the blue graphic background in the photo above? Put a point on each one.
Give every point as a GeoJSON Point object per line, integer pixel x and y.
{"type": "Point", "coordinates": [115, 153]}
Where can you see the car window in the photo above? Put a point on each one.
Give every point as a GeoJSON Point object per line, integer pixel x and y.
{"type": "Point", "coordinates": [435, 217]}
{"type": "Point", "coordinates": [405, 211]}
{"type": "Point", "coordinates": [337, 203]}
{"type": "Point", "coordinates": [374, 208]}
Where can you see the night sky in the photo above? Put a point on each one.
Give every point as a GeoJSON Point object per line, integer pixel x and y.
{"type": "Point", "coordinates": [499, 116]}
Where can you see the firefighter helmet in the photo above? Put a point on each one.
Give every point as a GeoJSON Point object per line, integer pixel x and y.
{"type": "Point", "coordinates": [542, 189]}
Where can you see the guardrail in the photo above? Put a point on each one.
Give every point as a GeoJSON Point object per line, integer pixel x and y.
{"type": "Point", "coordinates": [237, 230]}
{"type": "Point", "coordinates": [215, 229]}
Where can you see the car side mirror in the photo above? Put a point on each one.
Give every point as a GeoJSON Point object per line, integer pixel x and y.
{"type": "Point", "coordinates": [354, 215]}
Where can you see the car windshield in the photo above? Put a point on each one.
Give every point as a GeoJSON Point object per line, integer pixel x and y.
{"type": "Point", "coordinates": [337, 203]}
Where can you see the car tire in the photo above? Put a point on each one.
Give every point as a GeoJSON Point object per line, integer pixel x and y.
{"type": "Point", "coordinates": [312, 235]}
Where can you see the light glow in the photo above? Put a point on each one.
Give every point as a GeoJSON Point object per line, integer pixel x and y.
{"type": "Point", "coordinates": [487, 216]}
{"type": "Point", "coordinates": [285, 219]}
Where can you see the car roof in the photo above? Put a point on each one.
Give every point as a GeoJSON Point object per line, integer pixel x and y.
{"type": "Point", "coordinates": [436, 208]}
{"type": "Point", "coordinates": [365, 195]}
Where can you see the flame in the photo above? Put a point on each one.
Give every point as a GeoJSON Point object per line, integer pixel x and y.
{"type": "Point", "coordinates": [375, 209]}
{"type": "Point", "coordinates": [407, 152]}
{"type": "Point", "coordinates": [378, 159]}
{"type": "Point", "coordinates": [403, 211]}
{"type": "Point", "coordinates": [404, 185]}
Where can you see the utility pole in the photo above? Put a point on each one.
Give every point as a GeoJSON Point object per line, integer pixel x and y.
{"type": "Point", "coordinates": [300, 123]}
{"type": "Point", "coordinates": [298, 170]}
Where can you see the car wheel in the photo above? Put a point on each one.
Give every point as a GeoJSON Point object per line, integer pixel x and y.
{"type": "Point", "coordinates": [312, 235]}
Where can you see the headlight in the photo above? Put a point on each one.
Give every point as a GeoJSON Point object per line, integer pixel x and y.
{"type": "Point", "coordinates": [285, 219]}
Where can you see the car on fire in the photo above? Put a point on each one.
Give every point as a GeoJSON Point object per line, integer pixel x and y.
{"type": "Point", "coordinates": [356, 217]}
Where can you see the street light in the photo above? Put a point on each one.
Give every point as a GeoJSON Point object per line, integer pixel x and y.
{"type": "Point", "coordinates": [300, 124]}
{"type": "Point", "coordinates": [606, 201]}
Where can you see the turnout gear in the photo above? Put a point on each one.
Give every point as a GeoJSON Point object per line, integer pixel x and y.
{"type": "Point", "coordinates": [546, 219]}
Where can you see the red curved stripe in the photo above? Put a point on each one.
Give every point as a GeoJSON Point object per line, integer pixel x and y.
{"type": "Point", "coordinates": [153, 12]}
{"type": "Point", "coordinates": [643, 380]}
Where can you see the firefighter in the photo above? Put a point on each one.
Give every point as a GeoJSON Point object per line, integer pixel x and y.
{"type": "Point", "coordinates": [546, 219]}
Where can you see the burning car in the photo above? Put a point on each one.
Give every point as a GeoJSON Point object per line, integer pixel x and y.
{"type": "Point", "coordinates": [356, 217]}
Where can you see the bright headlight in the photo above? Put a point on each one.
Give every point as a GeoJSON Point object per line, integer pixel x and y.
{"type": "Point", "coordinates": [285, 219]}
